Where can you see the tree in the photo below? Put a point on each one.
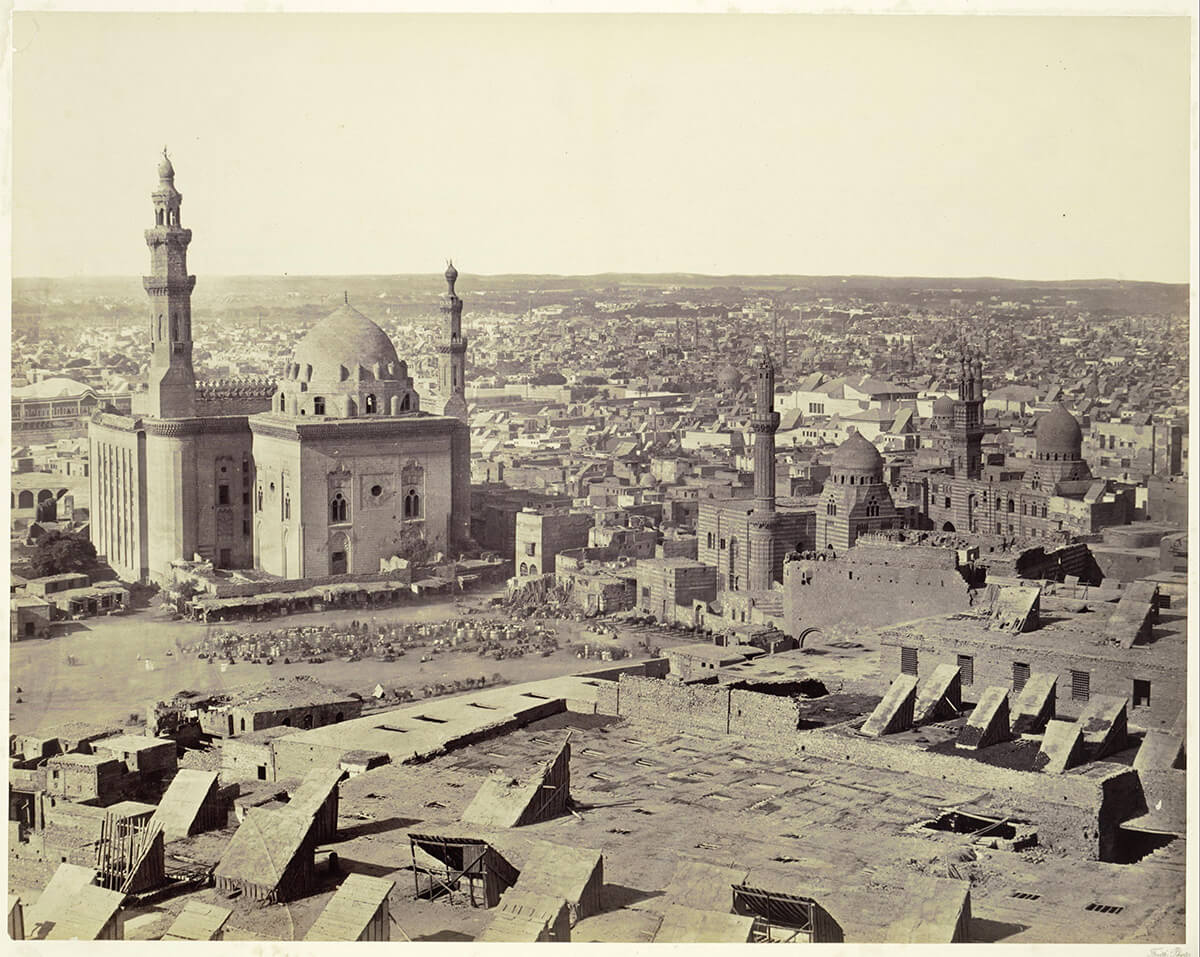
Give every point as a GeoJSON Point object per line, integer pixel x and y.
{"type": "Point", "coordinates": [59, 552]}
{"type": "Point", "coordinates": [412, 546]}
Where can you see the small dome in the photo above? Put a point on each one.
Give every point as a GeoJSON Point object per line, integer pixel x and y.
{"type": "Point", "coordinates": [1057, 431]}
{"type": "Point", "coordinates": [857, 454]}
{"type": "Point", "coordinates": [728, 377]}
{"type": "Point", "coordinates": [451, 272]}
{"type": "Point", "coordinates": [344, 338]}
{"type": "Point", "coordinates": [943, 407]}
{"type": "Point", "coordinates": [165, 169]}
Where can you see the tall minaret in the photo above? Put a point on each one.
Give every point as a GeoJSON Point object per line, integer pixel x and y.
{"type": "Point", "coordinates": [452, 352]}
{"type": "Point", "coordinates": [172, 383]}
{"type": "Point", "coordinates": [763, 520]}
{"type": "Point", "coordinates": [966, 437]}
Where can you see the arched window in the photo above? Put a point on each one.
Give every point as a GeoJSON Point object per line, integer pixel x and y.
{"type": "Point", "coordinates": [282, 402]}
{"type": "Point", "coordinates": [524, 568]}
{"type": "Point", "coordinates": [369, 407]}
{"type": "Point", "coordinates": [831, 508]}
{"type": "Point", "coordinates": [710, 539]}
{"type": "Point", "coordinates": [1012, 506]}
{"type": "Point", "coordinates": [318, 405]}
{"type": "Point", "coordinates": [243, 724]}
{"type": "Point", "coordinates": [287, 506]}
{"type": "Point", "coordinates": [258, 500]}
{"type": "Point", "coordinates": [339, 508]}
{"type": "Point", "coordinates": [412, 504]}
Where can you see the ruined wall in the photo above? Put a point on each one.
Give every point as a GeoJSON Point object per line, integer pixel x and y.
{"type": "Point", "coordinates": [673, 703]}
{"type": "Point", "coordinates": [1112, 674]}
{"type": "Point", "coordinates": [720, 708]}
{"type": "Point", "coordinates": [758, 715]}
{"type": "Point", "coordinates": [844, 595]}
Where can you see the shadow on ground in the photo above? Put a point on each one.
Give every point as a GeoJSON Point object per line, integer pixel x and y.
{"type": "Point", "coordinates": [444, 935]}
{"type": "Point", "coordinates": [616, 896]}
{"type": "Point", "coordinates": [985, 931]}
{"type": "Point", "coordinates": [381, 826]}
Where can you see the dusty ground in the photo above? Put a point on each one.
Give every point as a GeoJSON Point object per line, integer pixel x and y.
{"type": "Point", "coordinates": [109, 682]}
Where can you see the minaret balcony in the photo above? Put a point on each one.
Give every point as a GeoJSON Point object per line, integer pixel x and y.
{"type": "Point", "coordinates": [159, 235]}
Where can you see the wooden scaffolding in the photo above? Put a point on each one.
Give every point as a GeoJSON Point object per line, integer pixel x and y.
{"type": "Point", "coordinates": [129, 855]}
{"type": "Point", "coordinates": [461, 869]}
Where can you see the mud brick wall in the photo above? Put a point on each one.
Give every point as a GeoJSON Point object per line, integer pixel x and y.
{"type": "Point", "coordinates": [294, 757]}
{"type": "Point", "coordinates": [757, 715]}
{"type": "Point", "coordinates": [240, 760]}
{"type": "Point", "coordinates": [679, 705]}
{"type": "Point", "coordinates": [847, 594]}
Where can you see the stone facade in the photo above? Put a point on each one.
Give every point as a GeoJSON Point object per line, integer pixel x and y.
{"type": "Point", "coordinates": [723, 538]}
{"type": "Point", "coordinates": [540, 536]}
{"type": "Point", "coordinates": [668, 587]}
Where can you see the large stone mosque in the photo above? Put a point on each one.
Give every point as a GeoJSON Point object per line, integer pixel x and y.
{"type": "Point", "coordinates": [328, 471]}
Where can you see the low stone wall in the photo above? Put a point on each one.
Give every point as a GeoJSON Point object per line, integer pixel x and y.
{"type": "Point", "coordinates": [719, 708]}
{"type": "Point", "coordinates": [754, 714]}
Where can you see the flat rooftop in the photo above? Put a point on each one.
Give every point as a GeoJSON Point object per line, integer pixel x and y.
{"type": "Point", "coordinates": [1065, 625]}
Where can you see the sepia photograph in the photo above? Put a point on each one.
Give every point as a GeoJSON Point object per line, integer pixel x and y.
{"type": "Point", "coordinates": [625, 478]}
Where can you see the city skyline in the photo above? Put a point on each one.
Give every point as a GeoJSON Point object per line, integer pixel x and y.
{"type": "Point", "coordinates": [639, 161]}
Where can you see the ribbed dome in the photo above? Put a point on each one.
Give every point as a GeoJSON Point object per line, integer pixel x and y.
{"type": "Point", "coordinates": [1057, 431]}
{"type": "Point", "coordinates": [451, 272]}
{"type": "Point", "coordinates": [943, 406]}
{"type": "Point", "coordinates": [858, 455]}
{"type": "Point", "coordinates": [344, 338]}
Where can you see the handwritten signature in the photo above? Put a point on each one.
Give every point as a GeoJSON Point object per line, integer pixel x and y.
{"type": "Point", "coordinates": [1169, 952]}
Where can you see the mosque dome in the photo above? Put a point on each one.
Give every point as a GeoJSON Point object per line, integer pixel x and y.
{"type": "Point", "coordinates": [165, 169]}
{"type": "Point", "coordinates": [1057, 431]}
{"type": "Point", "coordinates": [943, 407]}
{"type": "Point", "coordinates": [728, 377]}
{"type": "Point", "coordinates": [344, 339]}
{"type": "Point", "coordinates": [857, 454]}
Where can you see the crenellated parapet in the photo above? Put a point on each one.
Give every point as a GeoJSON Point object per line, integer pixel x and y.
{"type": "Point", "coordinates": [236, 387]}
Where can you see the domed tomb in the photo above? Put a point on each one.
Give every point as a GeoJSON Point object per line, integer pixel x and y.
{"type": "Point", "coordinates": [1058, 435]}
{"type": "Point", "coordinates": [344, 367]}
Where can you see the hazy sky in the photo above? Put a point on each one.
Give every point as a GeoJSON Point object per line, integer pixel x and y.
{"type": "Point", "coordinates": [337, 144]}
